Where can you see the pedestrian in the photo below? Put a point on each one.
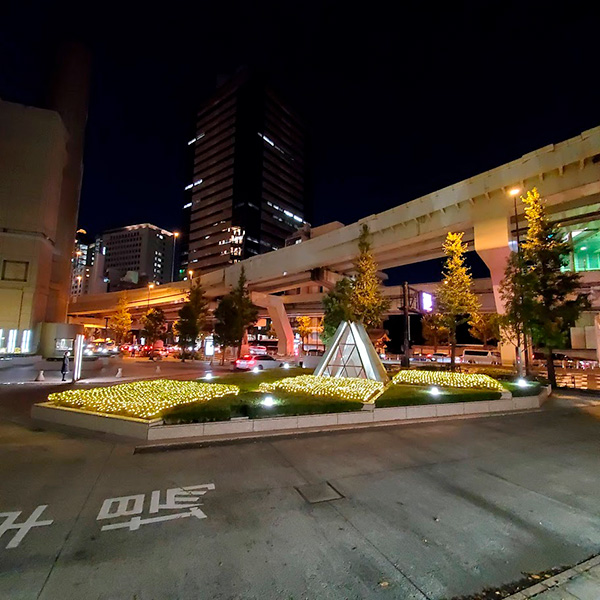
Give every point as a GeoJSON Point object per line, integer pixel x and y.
{"type": "Point", "coordinates": [65, 366]}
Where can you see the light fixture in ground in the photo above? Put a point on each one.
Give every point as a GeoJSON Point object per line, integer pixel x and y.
{"type": "Point", "coordinates": [255, 370]}
{"type": "Point", "coordinates": [522, 383]}
{"type": "Point", "coordinates": [286, 365]}
{"type": "Point", "coordinates": [434, 391]}
{"type": "Point", "coordinates": [208, 376]}
{"type": "Point", "coordinates": [268, 401]}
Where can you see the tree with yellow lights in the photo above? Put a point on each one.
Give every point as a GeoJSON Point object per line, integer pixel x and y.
{"type": "Point", "coordinates": [485, 327]}
{"type": "Point", "coordinates": [120, 321]}
{"type": "Point", "coordinates": [303, 328]}
{"type": "Point", "coordinates": [455, 298]}
{"type": "Point", "coordinates": [434, 331]}
{"type": "Point", "coordinates": [367, 302]}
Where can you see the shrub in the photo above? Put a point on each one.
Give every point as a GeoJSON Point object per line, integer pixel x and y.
{"type": "Point", "coordinates": [201, 412]}
{"type": "Point", "coordinates": [410, 395]}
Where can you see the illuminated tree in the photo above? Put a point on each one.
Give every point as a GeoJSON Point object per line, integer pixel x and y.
{"type": "Point", "coordinates": [336, 304]}
{"type": "Point", "coordinates": [456, 301]}
{"type": "Point", "coordinates": [555, 305]}
{"type": "Point", "coordinates": [192, 317]}
{"type": "Point", "coordinates": [434, 331]}
{"type": "Point", "coordinates": [366, 300]}
{"type": "Point", "coordinates": [303, 328]}
{"type": "Point", "coordinates": [120, 321]}
{"type": "Point", "coordinates": [485, 327]}
{"type": "Point", "coordinates": [154, 324]}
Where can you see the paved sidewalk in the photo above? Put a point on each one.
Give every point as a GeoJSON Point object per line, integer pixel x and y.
{"type": "Point", "coordinates": [582, 582]}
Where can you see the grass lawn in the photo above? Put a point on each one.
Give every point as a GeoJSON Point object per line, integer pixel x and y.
{"type": "Point", "coordinates": [248, 381]}
{"type": "Point", "coordinates": [413, 395]}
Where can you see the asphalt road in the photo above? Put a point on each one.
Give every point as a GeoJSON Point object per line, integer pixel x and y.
{"type": "Point", "coordinates": [427, 511]}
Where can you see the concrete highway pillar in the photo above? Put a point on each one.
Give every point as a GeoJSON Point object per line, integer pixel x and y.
{"type": "Point", "coordinates": [280, 319]}
{"type": "Point", "coordinates": [491, 233]}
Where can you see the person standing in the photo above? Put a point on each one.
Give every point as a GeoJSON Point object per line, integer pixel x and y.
{"type": "Point", "coordinates": [64, 369]}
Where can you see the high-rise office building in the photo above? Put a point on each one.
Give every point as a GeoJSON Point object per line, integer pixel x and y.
{"type": "Point", "coordinates": [137, 255]}
{"type": "Point", "coordinates": [41, 165]}
{"type": "Point", "coordinates": [248, 192]}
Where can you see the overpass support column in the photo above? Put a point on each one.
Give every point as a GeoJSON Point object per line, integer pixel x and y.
{"type": "Point", "coordinates": [280, 319]}
{"type": "Point", "coordinates": [491, 233]}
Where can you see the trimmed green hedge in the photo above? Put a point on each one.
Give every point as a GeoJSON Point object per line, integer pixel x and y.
{"type": "Point", "coordinates": [200, 412]}
{"type": "Point", "coordinates": [533, 389]}
{"type": "Point", "coordinates": [413, 395]}
{"type": "Point", "coordinates": [249, 404]}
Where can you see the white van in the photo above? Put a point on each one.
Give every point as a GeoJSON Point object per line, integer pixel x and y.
{"type": "Point", "coordinates": [481, 357]}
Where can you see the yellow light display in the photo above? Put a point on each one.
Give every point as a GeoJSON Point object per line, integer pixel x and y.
{"type": "Point", "coordinates": [447, 379]}
{"type": "Point", "coordinates": [345, 388]}
{"type": "Point", "coordinates": [142, 399]}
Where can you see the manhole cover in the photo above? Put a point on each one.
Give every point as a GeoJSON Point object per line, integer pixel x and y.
{"type": "Point", "coordinates": [319, 492]}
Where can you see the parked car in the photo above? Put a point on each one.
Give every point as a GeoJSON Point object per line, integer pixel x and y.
{"type": "Point", "coordinates": [440, 357]}
{"type": "Point", "coordinates": [257, 362]}
{"type": "Point", "coordinates": [559, 360]}
{"type": "Point", "coordinates": [481, 357]}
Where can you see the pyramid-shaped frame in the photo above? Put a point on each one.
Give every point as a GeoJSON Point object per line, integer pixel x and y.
{"type": "Point", "coordinates": [351, 354]}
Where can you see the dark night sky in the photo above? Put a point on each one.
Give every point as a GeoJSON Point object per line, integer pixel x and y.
{"type": "Point", "coordinates": [399, 102]}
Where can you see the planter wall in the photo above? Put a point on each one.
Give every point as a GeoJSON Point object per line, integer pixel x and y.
{"type": "Point", "coordinates": [154, 430]}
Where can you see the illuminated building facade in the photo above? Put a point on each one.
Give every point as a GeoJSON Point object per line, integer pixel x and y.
{"type": "Point", "coordinates": [248, 191]}
{"type": "Point", "coordinates": [138, 255]}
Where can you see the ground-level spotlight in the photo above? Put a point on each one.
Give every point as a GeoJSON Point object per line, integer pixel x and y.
{"type": "Point", "coordinates": [522, 383]}
{"type": "Point", "coordinates": [268, 401]}
{"type": "Point", "coordinates": [255, 370]}
{"type": "Point", "coordinates": [208, 376]}
{"type": "Point", "coordinates": [434, 391]}
{"type": "Point", "coordinates": [286, 365]}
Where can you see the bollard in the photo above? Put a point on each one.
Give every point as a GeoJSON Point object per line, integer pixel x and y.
{"type": "Point", "coordinates": [40, 376]}
{"type": "Point", "coordinates": [119, 372]}
{"type": "Point", "coordinates": [157, 369]}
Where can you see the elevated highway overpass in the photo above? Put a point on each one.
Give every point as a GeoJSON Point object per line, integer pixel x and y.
{"type": "Point", "coordinates": [567, 175]}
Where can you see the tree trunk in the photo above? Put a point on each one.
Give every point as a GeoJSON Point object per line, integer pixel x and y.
{"type": "Point", "coordinates": [452, 350]}
{"type": "Point", "coordinates": [526, 356]}
{"type": "Point", "coordinates": [550, 367]}
{"type": "Point", "coordinates": [435, 344]}
{"type": "Point", "coordinates": [223, 355]}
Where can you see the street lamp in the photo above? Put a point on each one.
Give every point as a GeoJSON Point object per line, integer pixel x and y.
{"type": "Point", "coordinates": [191, 276]}
{"type": "Point", "coordinates": [175, 236]}
{"type": "Point", "coordinates": [514, 192]}
{"type": "Point", "coordinates": [150, 287]}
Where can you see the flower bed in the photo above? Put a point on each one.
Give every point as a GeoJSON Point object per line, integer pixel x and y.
{"type": "Point", "coordinates": [344, 388]}
{"type": "Point", "coordinates": [447, 379]}
{"type": "Point", "coordinates": [141, 399]}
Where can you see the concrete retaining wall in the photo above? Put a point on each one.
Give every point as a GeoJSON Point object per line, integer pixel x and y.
{"type": "Point", "coordinates": [153, 430]}
{"type": "Point", "coordinates": [72, 417]}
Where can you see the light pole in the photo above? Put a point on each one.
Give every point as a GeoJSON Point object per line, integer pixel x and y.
{"type": "Point", "coordinates": [191, 276]}
{"type": "Point", "coordinates": [175, 236]}
{"type": "Point", "coordinates": [514, 193]}
{"type": "Point", "coordinates": [150, 287]}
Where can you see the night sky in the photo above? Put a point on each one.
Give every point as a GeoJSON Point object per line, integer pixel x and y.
{"type": "Point", "coordinates": [399, 102]}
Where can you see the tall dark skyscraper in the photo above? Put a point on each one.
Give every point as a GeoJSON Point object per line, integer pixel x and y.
{"type": "Point", "coordinates": [248, 192]}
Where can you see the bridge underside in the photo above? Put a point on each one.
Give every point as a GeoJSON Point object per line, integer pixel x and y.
{"type": "Point", "coordinates": [566, 174]}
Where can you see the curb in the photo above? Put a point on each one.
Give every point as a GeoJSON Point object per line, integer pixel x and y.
{"type": "Point", "coordinates": [241, 438]}
{"type": "Point", "coordinates": [556, 580]}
